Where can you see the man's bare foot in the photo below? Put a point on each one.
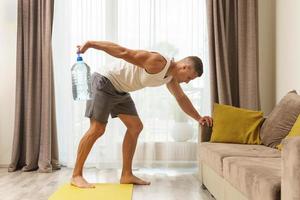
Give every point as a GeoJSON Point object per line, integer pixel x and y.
{"type": "Point", "coordinates": [131, 179]}
{"type": "Point", "coordinates": [79, 181]}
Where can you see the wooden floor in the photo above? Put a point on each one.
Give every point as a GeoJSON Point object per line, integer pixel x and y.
{"type": "Point", "coordinates": [166, 184]}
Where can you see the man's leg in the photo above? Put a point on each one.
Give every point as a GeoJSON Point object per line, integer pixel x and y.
{"type": "Point", "coordinates": [134, 127]}
{"type": "Point", "coordinates": [86, 143]}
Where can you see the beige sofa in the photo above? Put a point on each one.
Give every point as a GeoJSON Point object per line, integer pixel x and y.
{"type": "Point", "coordinates": [259, 172]}
{"type": "Point", "coordinates": [241, 171]}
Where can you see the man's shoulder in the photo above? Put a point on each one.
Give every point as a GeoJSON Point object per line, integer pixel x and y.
{"type": "Point", "coordinates": [158, 62]}
{"type": "Point", "coordinates": [160, 57]}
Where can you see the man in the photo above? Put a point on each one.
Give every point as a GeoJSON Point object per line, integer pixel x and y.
{"type": "Point", "coordinates": [110, 96]}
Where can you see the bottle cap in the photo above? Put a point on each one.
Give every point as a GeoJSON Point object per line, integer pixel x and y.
{"type": "Point", "coordinates": [79, 58]}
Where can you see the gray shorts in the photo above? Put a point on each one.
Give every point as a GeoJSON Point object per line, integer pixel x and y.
{"type": "Point", "coordinates": [107, 100]}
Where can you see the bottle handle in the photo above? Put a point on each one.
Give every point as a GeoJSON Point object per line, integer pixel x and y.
{"type": "Point", "coordinates": [79, 58]}
{"type": "Point", "coordinates": [78, 50]}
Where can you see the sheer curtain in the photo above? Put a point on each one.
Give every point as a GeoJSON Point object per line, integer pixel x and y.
{"type": "Point", "coordinates": [175, 28]}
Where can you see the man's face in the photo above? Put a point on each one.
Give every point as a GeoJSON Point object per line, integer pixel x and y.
{"type": "Point", "coordinates": [186, 73]}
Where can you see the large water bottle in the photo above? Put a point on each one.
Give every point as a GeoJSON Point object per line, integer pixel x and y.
{"type": "Point", "coordinates": [81, 80]}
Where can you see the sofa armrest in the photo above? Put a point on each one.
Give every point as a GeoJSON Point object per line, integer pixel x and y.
{"type": "Point", "coordinates": [204, 133]}
{"type": "Point", "coordinates": [290, 173]}
{"type": "Point", "coordinates": [204, 136]}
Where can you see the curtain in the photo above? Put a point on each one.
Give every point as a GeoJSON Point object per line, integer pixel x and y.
{"type": "Point", "coordinates": [174, 28]}
{"type": "Point", "coordinates": [35, 138]}
{"type": "Point", "coordinates": [233, 52]}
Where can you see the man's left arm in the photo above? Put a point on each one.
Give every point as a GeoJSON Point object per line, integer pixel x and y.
{"type": "Point", "coordinates": [185, 103]}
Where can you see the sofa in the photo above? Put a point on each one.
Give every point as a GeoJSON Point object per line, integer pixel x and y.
{"type": "Point", "coordinates": [232, 171]}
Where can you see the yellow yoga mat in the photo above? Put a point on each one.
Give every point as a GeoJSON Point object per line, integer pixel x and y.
{"type": "Point", "coordinates": [100, 192]}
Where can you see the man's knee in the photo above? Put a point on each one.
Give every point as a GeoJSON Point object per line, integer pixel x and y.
{"type": "Point", "coordinates": [97, 128]}
{"type": "Point", "coordinates": [136, 127]}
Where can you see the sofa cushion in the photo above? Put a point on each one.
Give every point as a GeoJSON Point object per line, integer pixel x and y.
{"type": "Point", "coordinates": [256, 178]}
{"type": "Point", "coordinates": [213, 154]}
{"type": "Point", "coordinates": [225, 128]}
{"type": "Point", "coordinates": [281, 119]}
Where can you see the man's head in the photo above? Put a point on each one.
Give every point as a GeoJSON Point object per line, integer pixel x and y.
{"type": "Point", "coordinates": [188, 69]}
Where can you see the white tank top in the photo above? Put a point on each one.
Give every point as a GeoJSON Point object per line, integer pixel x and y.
{"type": "Point", "coordinates": [127, 77]}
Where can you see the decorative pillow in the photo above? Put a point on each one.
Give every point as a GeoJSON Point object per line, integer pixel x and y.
{"type": "Point", "coordinates": [236, 125]}
{"type": "Point", "coordinates": [281, 120]}
{"type": "Point", "coordinates": [294, 132]}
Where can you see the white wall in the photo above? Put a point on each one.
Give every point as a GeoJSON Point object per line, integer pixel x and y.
{"type": "Point", "coordinates": [288, 47]}
{"type": "Point", "coordinates": [267, 68]}
{"type": "Point", "coordinates": [8, 30]}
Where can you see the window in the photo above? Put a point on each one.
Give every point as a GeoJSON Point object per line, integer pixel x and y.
{"type": "Point", "coordinates": [175, 28]}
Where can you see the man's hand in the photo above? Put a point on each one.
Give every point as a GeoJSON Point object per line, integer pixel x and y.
{"type": "Point", "coordinates": [206, 120]}
{"type": "Point", "coordinates": [84, 47]}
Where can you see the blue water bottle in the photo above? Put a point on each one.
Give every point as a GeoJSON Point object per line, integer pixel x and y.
{"type": "Point", "coordinates": [81, 80]}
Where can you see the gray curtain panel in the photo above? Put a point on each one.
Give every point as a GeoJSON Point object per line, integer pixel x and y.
{"type": "Point", "coordinates": [35, 137]}
{"type": "Point", "coordinates": [233, 52]}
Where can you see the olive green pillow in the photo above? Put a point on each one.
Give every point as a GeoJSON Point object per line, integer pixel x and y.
{"type": "Point", "coordinates": [236, 125]}
{"type": "Point", "coordinates": [295, 131]}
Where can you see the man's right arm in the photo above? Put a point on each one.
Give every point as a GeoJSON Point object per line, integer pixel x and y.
{"type": "Point", "coordinates": [152, 62]}
{"type": "Point", "coordinates": [185, 103]}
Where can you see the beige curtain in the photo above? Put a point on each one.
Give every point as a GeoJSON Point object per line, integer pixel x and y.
{"type": "Point", "coordinates": [233, 52]}
{"type": "Point", "coordinates": [35, 138]}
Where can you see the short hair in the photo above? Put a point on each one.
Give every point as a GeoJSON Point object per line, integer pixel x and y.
{"type": "Point", "coordinates": [197, 64]}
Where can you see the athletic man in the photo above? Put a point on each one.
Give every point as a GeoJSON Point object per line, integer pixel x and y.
{"type": "Point", "coordinates": [110, 95]}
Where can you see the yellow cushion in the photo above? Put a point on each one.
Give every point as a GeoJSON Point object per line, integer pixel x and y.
{"type": "Point", "coordinates": [295, 131]}
{"type": "Point", "coordinates": [236, 125]}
